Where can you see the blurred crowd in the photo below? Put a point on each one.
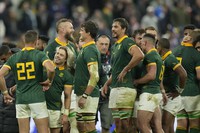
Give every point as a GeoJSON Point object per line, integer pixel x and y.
{"type": "Point", "coordinates": [167, 16]}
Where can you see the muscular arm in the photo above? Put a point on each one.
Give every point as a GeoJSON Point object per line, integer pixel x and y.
{"type": "Point", "coordinates": [50, 69]}
{"type": "Point", "coordinates": [3, 71]}
{"type": "Point", "coordinates": [67, 92]}
{"type": "Point", "coordinates": [151, 75]}
{"type": "Point", "coordinates": [94, 78]}
{"type": "Point", "coordinates": [182, 75]}
{"type": "Point", "coordinates": [137, 56]}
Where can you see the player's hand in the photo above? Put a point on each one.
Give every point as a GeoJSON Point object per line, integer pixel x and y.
{"type": "Point", "coordinates": [104, 90]}
{"type": "Point", "coordinates": [82, 102]}
{"type": "Point", "coordinates": [46, 84]}
{"type": "Point", "coordinates": [165, 99]}
{"type": "Point", "coordinates": [7, 98]}
{"type": "Point", "coordinates": [64, 119]}
{"type": "Point", "coordinates": [122, 75]}
{"type": "Point", "coordinates": [173, 95]}
{"type": "Point", "coordinates": [12, 90]}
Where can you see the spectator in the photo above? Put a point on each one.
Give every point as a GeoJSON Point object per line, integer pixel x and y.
{"type": "Point", "coordinates": [103, 43]}
{"type": "Point", "coordinates": [149, 19]}
{"type": "Point", "coordinates": [27, 20]}
{"type": "Point", "coordinates": [44, 18]}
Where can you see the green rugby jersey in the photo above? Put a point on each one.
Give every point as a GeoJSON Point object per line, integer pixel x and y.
{"type": "Point", "coordinates": [50, 50]}
{"type": "Point", "coordinates": [136, 74]}
{"type": "Point", "coordinates": [87, 55]}
{"type": "Point", "coordinates": [119, 59]}
{"type": "Point", "coordinates": [190, 61]}
{"type": "Point", "coordinates": [153, 58]}
{"type": "Point", "coordinates": [177, 52]}
{"type": "Point", "coordinates": [170, 79]}
{"type": "Point", "coordinates": [53, 95]}
{"type": "Point", "coordinates": [27, 68]}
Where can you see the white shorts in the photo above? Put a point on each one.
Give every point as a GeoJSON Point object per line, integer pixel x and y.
{"type": "Point", "coordinates": [191, 103]}
{"type": "Point", "coordinates": [122, 97]}
{"type": "Point", "coordinates": [54, 118]}
{"type": "Point", "coordinates": [174, 106]}
{"type": "Point", "coordinates": [149, 102]}
{"type": "Point", "coordinates": [73, 100]}
{"type": "Point", "coordinates": [34, 110]}
{"type": "Point", "coordinates": [135, 109]}
{"type": "Point", "coordinates": [90, 106]}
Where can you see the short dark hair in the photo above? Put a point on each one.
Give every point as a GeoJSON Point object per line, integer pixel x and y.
{"type": "Point", "coordinates": [150, 36]}
{"type": "Point", "coordinates": [91, 27]}
{"type": "Point", "coordinates": [164, 43]}
{"type": "Point", "coordinates": [123, 23]}
{"type": "Point", "coordinates": [61, 21]}
{"type": "Point", "coordinates": [138, 31]}
{"type": "Point", "coordinates": [10, 44]}
{"type": "Point", "coordinates": [44, 38]}
{"type": "Point", "coordinates": [30, 36]}
{"type": "Point", "coordinates": [4, 49]}
{"type": "Point", "coordinates": [189, 26]}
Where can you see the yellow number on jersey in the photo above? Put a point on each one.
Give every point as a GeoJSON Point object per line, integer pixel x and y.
{"type": "Point", "coordinates": [179, 59]}
{"type": "Point", "coordinates": [20, 70]}
{"type": "Point", "coordinates": [162, 72]}
{"type": "Point", "coordinates": [25, 69]}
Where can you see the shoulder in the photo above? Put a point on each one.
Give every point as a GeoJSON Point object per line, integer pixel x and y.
{"type": "Point", "coordinates": [67, 73]}
{"type": "Point", "coordinates": [128, 41]}
{"type": "Point", "coordinates": [72, 45]}
{"type": "Point", "coordinates": [153, 55]}
{"type": "Point", "coordinates": [52, 44]}
{"type": "Point", "coordinates": [177, 48]}
{"type": "Point", "coordinates": [171, 59]}
{"type": "Point", "coordinates": [91, 48]}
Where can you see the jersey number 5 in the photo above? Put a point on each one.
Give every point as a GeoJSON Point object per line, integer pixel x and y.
{"type": "Point", "coordinates": [25, 70]}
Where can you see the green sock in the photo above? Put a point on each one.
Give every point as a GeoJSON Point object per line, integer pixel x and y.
{"type": "Point", "coordinates": [194, 130]}
{"type": "Point", "coordinates": [181, 131]}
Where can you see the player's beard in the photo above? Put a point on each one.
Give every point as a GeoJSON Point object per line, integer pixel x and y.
{"type": "Point", "coordinates": [69, 37]}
